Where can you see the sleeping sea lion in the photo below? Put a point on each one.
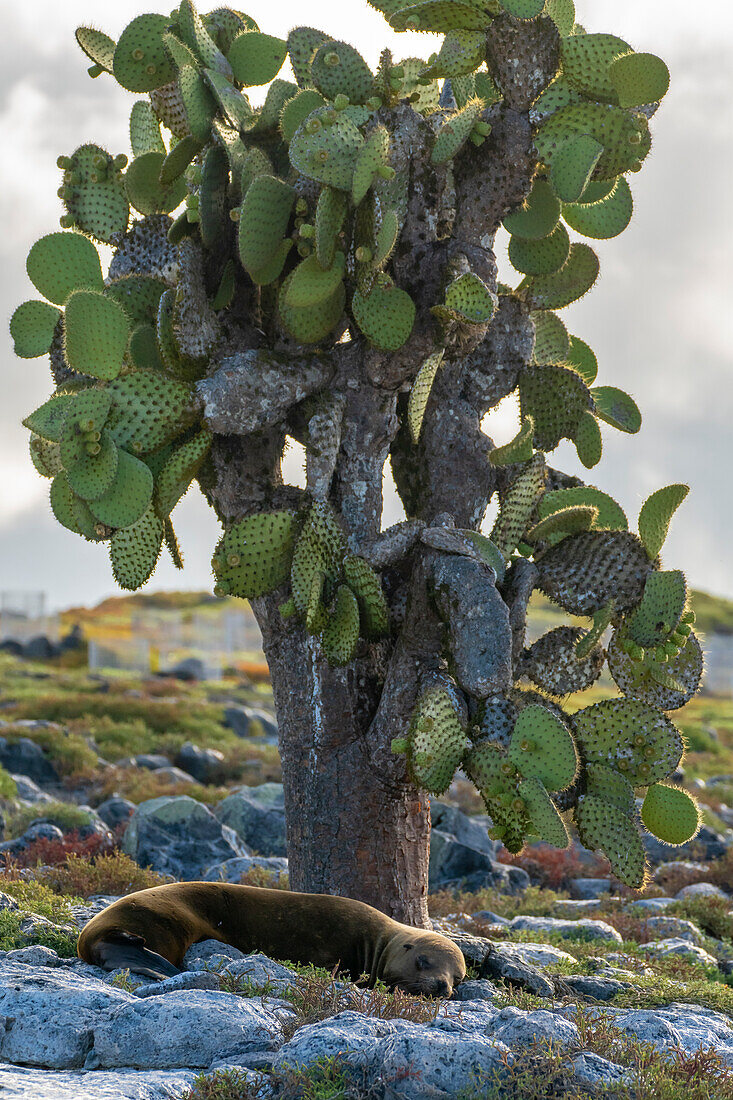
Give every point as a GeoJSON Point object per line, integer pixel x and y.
{"type": "Point", "coordinates": [150, 931]}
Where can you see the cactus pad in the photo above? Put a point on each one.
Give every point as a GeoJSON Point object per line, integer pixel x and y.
{"type": "Point", "coordinates": [542, 813]}
{"type": "Point", "coordinates": [302, 45]}
{"type": "Point", "coordinates": [468, 300]}
{"type": "Point", "coordinates": [95, 196]}
{"type": "Point", "coordinates": [624, 136]}
{"type": "Point", "coordinates": [670, 814]}
{"type": "Point", "coordinates": [145, 134]}
{"type": "Point", "coordinates": [96, 331]}
{"type": "Point", "coordinates": [311, 324]}
{"type": "Point", "coordinates": [141, 62]}
{"type": "Point", "coordinates": [551, 339]}
{"type": "Point", "coordinates": [338, 69]}
{"type": "Point", "coordinates": [611, 515]}
{"type": "Point", "coordinates": [254, 555]}
{"type": "Point", "coordinates": [330, 216]}
{"type": "Point", "coordinates": [583, 360]}
{"type": "Point", "coordinates": [584, 572]}
{"type": "Point", "coordinates": [144, 189]}
{"type": "Point", "coordinates": [437, 740]}
{"type": "Point", "coordinates": [326, 147]}
{"type": "Point", "coordinates": [367, 587]}
{"type": "Point", "coordinates": [542, 747]}
{"type": "Point", "coordinates": [92, 475]}
{"type": "Point", "coordinates": [179, 470]}
{"type": "Point", "coordinates": [310, 285]}
{"type": "Point", "coordinates": [610, 785]}
{"type": "Point", "coordinates": [663, 682]}
{"type": "Point", "coordinates": [385, 316]}
{"type": "Point", "coordinates": [656, 514]}
{"type": "Point", "coordinates": [61, 263]}
{"type": "Point", "coordinates": [566, 521]}
{"type": "Point", "coordinates": [572, 281]}
{"type": "Point", "coordinates": [603, 826]}
{"type": "Point", "coordinates": [32, 328]}
{"type": "Point", "coordinates": [523, 9]}
{"type": "Point", "coordinates": [585, 64]}
{"type": "Point", "coordinates": [98, 47]}
{"type": "Point", "coordinates": [638, 79]}
{"type": "Point", "coordinates": [519, 449]}
{"type": "Point", "coordinates": [660, 608]}
{"type": "Point", "coordinates": [72, 512]}
{"type": "Point", "coordinates": [490, 769]}
{"type": "Point", "coordinates": [134, 551]}
{"type": "Point", "coordinates": [553, 664]}
{"type": "Point", "coordinates": [555, 398]}
{"type": "Point", "coordinates": [455, 131]}
{"type": "Point", "coordinates": [263, 223]}
{"type": "Point", "coordinates": [540, 257]}
{"type": "Point", "coordinates": [538, 216]}
{"type": "Point", "coordinates": [518, 505]}
{"type": "Point", "coordinates": [617, 409]}
{"type": "Point", "coordinates": [256, 58]}
{"type": "Point", "coordinates": [438, 16]}
{"type": "Point", "coordinates": [460, 53]}
{"type": "Point", "coordinates": [604, 219]}
{"type": "Point", "coordinates": [149, 410]}
{"type": "Point", "coordinates": [588, 441]}
{"type": "Point", "coordinates": [129, 495]}
{"type": "Point", "coordinates": [341, 632]}
{"type": "Point", "coordinates": [573, 164]}
{"type": "Point", "coordinates": [373, 159]}
{"type": "Point", "coordinates": [630, 736]}
{"type": "Point", "coordinates": [297, 109]}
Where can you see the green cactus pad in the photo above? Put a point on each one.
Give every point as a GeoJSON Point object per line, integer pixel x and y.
{"type": "Point", "coordinates": [330, 217]}
{"type": "Point", "coordinates": [523, 9]}
{"type": "Point", "coordinates": [213, 198]}
{"type": "Point", "coordinates": [626, 734]}
{"type": "Point", "coordinates": [551, 339]}
{"type": "Point", "coordinates": [665, 684]}
{"type": "Point", "coordinates": [302, 45]}
{"type": "Point", "coordinates": [540, 257]}
{"type": "Point", "coordinates": [311, 324]}
{"type": "Point", "coordinates": [638, 79]}
{"type": "Point", "coordinates": [176, 476]}
{"type": "Point", "coordinates": [670, 814]}
{"type": "Point", "coordinates": [169, 108]}
{"type": "Point", "coordinates": [468, 300]}
{"type": "Point", "coordinates": [143, 350]}
{"type": "Point", "coordinates": [309, 560]}
{"type": "Point", "coordinates": [562, 14]}
{"type": "Point", "coordinates": [519, 449]}
{"type": "Point", "coordinates": [605, 219]}
{"type": "Point", "coordinates": [199, 103]}
{"type": "Point", "coordinates": [98, 47]}
{"type": "Point", "coordinates": [338, 69]}
{"type": "Point", "coordinates": [297, 109]}
{"type": "Point", "coordinates": [439, 17]}
{"type": "Point", "coordinates": [611, 515]}
{"type": "Point", "coordinates": [511, 825]}
{"type": "Point", "coordinates": [601, 621]}
{"type": "Point", "coordinates": [263, 223]}
{"type": "Point", "coordinates": [61, 263]}
{"type": "Point", "coordinates": [326, 147]}
{"type": "Point", "coordinates": [385, 316]}
{"type": "Point", "coordinates": [256, 58]}
{"type": "Point", "coordinates": [624, 136]}
{"type": "Point", "coordinates": [179, 159]}
{"type": "Point", "coordinates": [141, 62]}
{"type": "Point", "coordinates": [554, 665]}
{"type": "Point", "coordinates": [32, 327]}
{"type": "Point", "coordinates": [455, 131]}
{"type": "Point", "coordinates": [341, 633]}
{"type": "Point", "coordinates": [180, 53]}
{"type": "Point", "coordinates": [93, 475]}
{"type": "Point", "coordinates": [149, 410]}
{"type": "Point", "coordinates": [48, 420]}
{"type": "Point", "coordinates": [565, 521]}
{"type": "Point", "coordinates": [489, 768]}
{"type": "Point", "coordinates": [539, 215]}
{"type": "Point", "coordinates": [145, 134]}
{"type": "Point", "coordinates": [310, 285]}
{"type": "Point", "coordinates": [373, 157]}
{"type": "Point", "coordinates": [96, 331]}
{"type": "Point", "coordinates": [253, 557]}
{"type": "Point", "coordinates": [139, 296]}
{"type": "Point", "coordinates": [617, 409]}
{"type": "Point", "coordinates": [601, 825]}
{"type": "Point", "coordinates": [267, 118]}
{"type": "Point", "coordinates": [129, 495]}
{"type": "Point", "coordinates": [194, 32]}
{"type": "Point", "coordinates": [367, 587]}
{"type": "Point", "coordinates": [583, 360]}
{"type": "Point", "coordinates": [611, 786]}
{"type": "Point", "coordinates": [518, 505]}
{"type": "Point", "coordinates": [543, 814]}
{"type": "Point", "coordinates": [72, 512]}
{"type": "Point", "coordinates": [656, 515]}
{"type": "Point", "coordinates": [573, 164]}
{"type": "Point", "coordinates": [585, 572]}
{"type": "Point", "coordinates": [224, 25]}
{"type": "Point", "coordinates": [660, 608]}
{"type": "Point", "coordinates": [460, 53]}
{"type": "Point", "coordinates": [556, 96]}
{"type": "Point", "coordinates": [572, 281]}
{"type": "Point", "coordinates": [542, 747]}
{"type": "Point", "coordinates": [585, 64]}
{"type": "Point", "coordinates": [45, 456]}
{"type": "Point", "coordinates": [588, 441]}
{"type": "Point", "coordinates": [134, 551]}
{"type": "Point", "coordinates": [234, 104]}
{"type": "Point", "coordinates": [316, 615]}
{"type": "Point", "coordinates": [88, 410]}
{"type": "Point", "coordinates": [555, 398]}
{"type": "Point", "coordinates": [95, 198]}
{"type": "Point", "coordinates": [437, 740]}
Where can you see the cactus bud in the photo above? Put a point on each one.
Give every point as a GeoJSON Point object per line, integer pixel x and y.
{"type": "Point", "coordinates": [332, 59]}
{"type": "Point", "coordinates": [374, 102]}
{"type": "Point", "coordinates": [482, 127]}
{"type": "Point", "coordinates": [307, 231]}
{"type": "Point", "coordinates": [66, 221]}
{"type": "Point", "coordinates": [363, 254]}
{"type": "Point", "coordinates": [137, 55]}
{"type": "Point", "coordinates": [220, 591]}
{"type": "Point", "coordinates": [341, 102]}
{"type": "Point", "coordinates": [95, 71]}
{"type": "Point", "coordinates": [399, 745]}
{"type": "Point", "coordinates": [476, 139]}
{"type": "Point", "coordinates": [235, 214]}
{"type": "Point", "coordinates": [63, 162]}
{"type": "Point", "coordinates": [301, 206]}
{"type": "Point", "coordinates": [303, 249]}
{"type": "Point", "coordinates": [193, 215]}
{"type": "Point", "coordinates": [120, 162]}
{"type": "Point", "coordinates": [635, 138]}
{"type": "Point", "coordinates": [233, 560]}
{"type": "Point", "coordinates": [313, 125]}
{"type": "Point", "coordinates": [100, 530]}
{"type": "Point", "coordinates": [386, 171]}
{"type": "Point", "coordinates": [100, 162]}
{"type": "Point", "coordinates": [93, 449]}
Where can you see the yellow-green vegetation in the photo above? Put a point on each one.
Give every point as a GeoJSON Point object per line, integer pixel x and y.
{"type": "Point", "coordinates": [108, 873]}
{"type": "Point", "coordinates": [325, 1079]}
{"type": "Point", "coordinates": [35, 896]}
{"type": "Point", "coordinates": [65, 815]}
{"type": "Point", "coordinates": [12, 937]}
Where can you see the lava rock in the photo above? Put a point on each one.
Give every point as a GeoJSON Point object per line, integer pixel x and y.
{"type": "Point", "coordinates": [177, 835]}
{"type": "Point", "coordinates": [200, 763]}
{"type": "Point", "coordinates": [238, 718]}
{"type": "Point", "coordinates": [259, 826]}
{"type": "Point", "coordinates": [27, 758]}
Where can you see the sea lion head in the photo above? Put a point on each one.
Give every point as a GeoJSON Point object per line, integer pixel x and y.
{"type": "Point", "coordinates": [423, 962]}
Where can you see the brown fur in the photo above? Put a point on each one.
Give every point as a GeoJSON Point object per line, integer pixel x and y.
{"type": "Point", "coordinates": [152, 929]}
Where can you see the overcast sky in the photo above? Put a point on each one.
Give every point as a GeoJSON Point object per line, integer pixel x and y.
{"type": "Point", "coordinates": [659, 318]}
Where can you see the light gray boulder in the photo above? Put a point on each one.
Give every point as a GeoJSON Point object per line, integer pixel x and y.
{"type": "Point", "coordinates": [676, 926]}
{"type": "Point", "coordinates": [355, 1038]}
{"type": "Point", "coordinates": [702, 890]}
{"type": "Point", "coordinates": [593, 1070]}
{"type": "Point", "coordinates": [179, 836]}
{"type": "Point", "coordinates": [681, 1027]}
{"type": "Point", "coordinates": [208, 953]}
{"type": "Point", "coordinates": [435, 1065]}
{"type": "Point", "coordinates": [676, 946]}
{"type": "Point", "coordinates": [185, 1028]}
{"type": "Point", "coordinates": [478, 989]}
{"type": "Point", "coordinates": [259, 826]}
{"type": "Point", "coordinates": [48, 1015]}
{"type": "Point", "coordinates": [584, 929]}
{"type": "Point", "coordinates": [640, 906]}
{"type": "Point", "coordinates": [535, 954]}
{"type": "Point", "coordinates": [262, 972]}
{"type": "Point", "coordinates": [22, 1083]}
{"type": "Point", "coordinates": [189, 979]}
{"type": "Point", "coordinates": [517, 1028]}
{"type": "Point", "coordinates": [587, 889]}
{"type": "Point", "coordinates": [233, 870]}
{"type": "Point", "coordinates": [28, 791]}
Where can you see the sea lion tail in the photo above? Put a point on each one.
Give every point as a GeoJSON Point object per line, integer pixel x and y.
{"type": "Point", "coordinates": [120, 950]}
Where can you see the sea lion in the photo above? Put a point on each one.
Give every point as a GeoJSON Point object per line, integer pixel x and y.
{"type": "Point", "coordinates": [150, 931]}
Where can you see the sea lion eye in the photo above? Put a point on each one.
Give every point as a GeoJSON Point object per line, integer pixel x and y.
{"type": "Point", "coordinates": [408, 946]}
{"type": "Point", "coordinates": [422, 962]}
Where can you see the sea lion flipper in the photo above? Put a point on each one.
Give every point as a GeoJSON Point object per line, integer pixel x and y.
{"type": "Point", "coordinates": [123, 950]}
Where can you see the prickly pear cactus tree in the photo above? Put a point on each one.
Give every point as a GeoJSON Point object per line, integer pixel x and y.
{"type": "Point", "coordinates": [321, 267]}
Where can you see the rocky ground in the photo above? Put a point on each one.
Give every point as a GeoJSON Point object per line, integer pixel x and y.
{"type": "Point", "coordinates": [576, 986]}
